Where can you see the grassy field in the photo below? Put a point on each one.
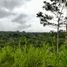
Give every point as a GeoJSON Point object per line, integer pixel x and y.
{"type": "Point", "coordinates": [32, 57]}
{"type": "Point", "coordinates": [32, 50]}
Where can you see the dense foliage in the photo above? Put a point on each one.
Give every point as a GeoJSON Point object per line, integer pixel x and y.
{"type": "Point", "coordinates": [36, 39]}
{"type": "Point", "coordinates": [20, 49]}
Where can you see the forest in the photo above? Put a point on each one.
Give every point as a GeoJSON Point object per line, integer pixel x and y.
{"type": "Point", "coordinates": [28, 49]}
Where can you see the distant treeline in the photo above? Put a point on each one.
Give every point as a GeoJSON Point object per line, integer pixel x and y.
{"type": "Point", "coordinates": [35, 38]}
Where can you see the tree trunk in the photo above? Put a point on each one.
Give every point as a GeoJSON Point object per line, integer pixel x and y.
{"type": "Point", "coordinates": [66, 27]}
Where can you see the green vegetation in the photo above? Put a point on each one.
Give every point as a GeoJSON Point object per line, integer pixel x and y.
{"type": "Point", "coordinates": [32, 50]}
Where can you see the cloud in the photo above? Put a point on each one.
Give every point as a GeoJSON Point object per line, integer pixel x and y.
{"type": "Point", "coordinates": [7, 25]}
{"type": "Point", "coordinates": [7, 6]}
{"type": "Point", "coordinates": [10, 21]}
{"type": "Point", "coordinates": [10, 4]}
{"type": "Point", "coordinates": [23, 27]}
{"type": "Point", "coordinates": [20, 18]}
{"type": "Point", "coordinates": [4, 13]}
{"type": "Point", "coordinates": [20, 15]}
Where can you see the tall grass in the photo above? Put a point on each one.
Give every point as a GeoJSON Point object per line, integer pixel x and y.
{"type": "Point", "coordinates": [32, 56]}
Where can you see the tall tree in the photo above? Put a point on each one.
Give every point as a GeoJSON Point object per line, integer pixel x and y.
{"type": "Point", "coordinates": [56, 8]}
{"type": "Point", "coordinates": [56, 18]}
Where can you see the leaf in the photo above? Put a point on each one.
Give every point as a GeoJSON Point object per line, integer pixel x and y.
{"type": "Point", "coordinates": [48, 17]}
{"type": "Point", "coordinates": [66, 4]}
{"type": "Point", "coordinates": [44, 24]}
{"type": "Point", "coordinates": [39, 14]}
{"type": "Point", "coordinates": [44, 2]}
{"type": "Point", "coordinates": [51, 0]}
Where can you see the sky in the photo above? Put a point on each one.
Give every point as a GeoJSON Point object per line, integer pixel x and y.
{"type": "Point", "coordinates": [20, 15]}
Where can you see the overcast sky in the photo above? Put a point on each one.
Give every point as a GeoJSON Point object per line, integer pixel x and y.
{"type": "Point", "coordinates": [20, 15]}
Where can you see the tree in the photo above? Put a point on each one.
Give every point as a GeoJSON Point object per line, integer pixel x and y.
{"type": "Point", "coordinates": [56, 8]}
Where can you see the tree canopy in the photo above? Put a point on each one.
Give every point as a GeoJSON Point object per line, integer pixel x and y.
{"type": "Point", "coordinates": [56, 7]}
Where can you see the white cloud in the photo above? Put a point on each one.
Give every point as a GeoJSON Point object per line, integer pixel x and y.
{"type": "Point", "coordinates": [31, 9]}
{"type": "Point", "coordinates": [10, 4]}
{"type": "Point", "coordinates": [31, 24]}
{"type": "Point", "coordinates": [7, 25]}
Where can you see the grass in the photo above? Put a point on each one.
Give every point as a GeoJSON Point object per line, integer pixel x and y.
{"type": "Point", "coordinates": [32, 56]}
